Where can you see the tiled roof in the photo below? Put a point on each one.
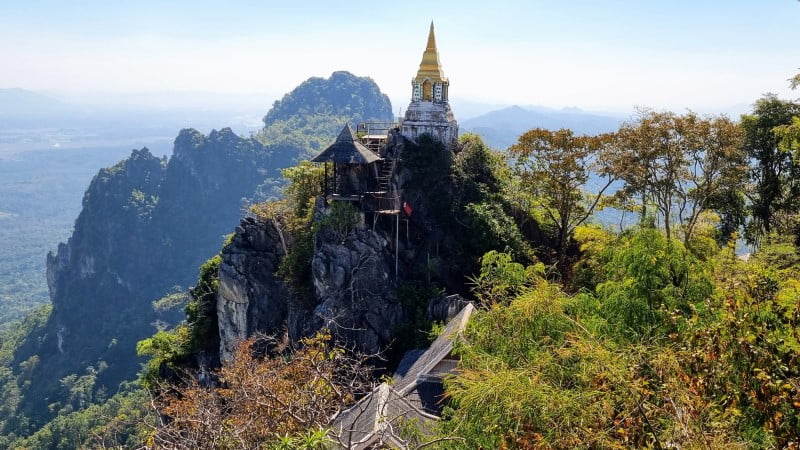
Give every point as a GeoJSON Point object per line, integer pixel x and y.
{"type": "Point", "coordinates": [377, 417]}
{"type": "Point", "coordinates": [427, 395]}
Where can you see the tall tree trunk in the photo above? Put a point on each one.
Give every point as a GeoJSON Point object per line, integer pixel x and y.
{"type": "Point", "coordinates": [643, 218]}
{"type": "Point", "coordinates": [562, 245]}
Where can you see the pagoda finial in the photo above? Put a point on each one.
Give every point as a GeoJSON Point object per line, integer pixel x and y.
{"type": "Point", "coordinates": [430, 67]}
{"type": "Point", "coordinates": [431, 39]}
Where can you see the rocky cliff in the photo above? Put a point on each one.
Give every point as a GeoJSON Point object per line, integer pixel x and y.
{"type": "Point", "coordinates": [146, 225]}
{"type": "Point", "coordinates": [355, 288]}
{"type": "Point", "coordinates": [370, 290]}
{"type": "Point", "coordinates": [354, 279]}
{"type": "Point", "coordinates": [353, 295]}
{"type": "Point", "coordinates": [251, 298]}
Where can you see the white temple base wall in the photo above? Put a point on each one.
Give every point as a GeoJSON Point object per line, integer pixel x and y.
{"type": "Point", "coordinates": [434, 118]}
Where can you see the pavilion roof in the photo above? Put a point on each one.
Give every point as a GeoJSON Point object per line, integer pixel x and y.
{"type": "Point", "coordinates": [347, 150]}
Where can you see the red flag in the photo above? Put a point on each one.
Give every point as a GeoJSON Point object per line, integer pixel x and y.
{"type": "Point", "coordinates": [407, 208]}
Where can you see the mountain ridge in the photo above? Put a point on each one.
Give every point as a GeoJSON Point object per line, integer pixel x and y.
{"type": "Point", "coordinates": [501, 128]}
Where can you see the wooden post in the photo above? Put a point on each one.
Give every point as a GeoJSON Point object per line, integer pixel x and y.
{"type": "Point", "coordinates": [396, 245]}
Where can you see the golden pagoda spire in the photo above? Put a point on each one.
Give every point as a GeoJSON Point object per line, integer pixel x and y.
{"type": "Point", "coordinates": [430, 67]}
{"type": "Point", "coordinates": [431, 39]}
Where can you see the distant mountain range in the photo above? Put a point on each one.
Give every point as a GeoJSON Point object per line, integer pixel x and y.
{"type": "Point", "coordinates": [17, 102]}
{"type": "Point", "coordinates": [35, 121]}
{"type": "Point", "coordinates": [502, 127]}
{"type": "Point", "coordinates": [499, 125]}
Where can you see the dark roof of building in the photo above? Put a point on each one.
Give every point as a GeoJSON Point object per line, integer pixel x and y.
{"type": "Point", "coordinates": [347, 150]}
{"type": "Point", "coordinates": [361, 420]}
{"type": "Point", "coordinates": [415, 397]}
{"type": "Point", "coordinates": [427, 395]}
{"type": "Point", "coordinates": [439, 350]}
{"type": "Point", "coordinates": [378, 417]}
{"type": "Point", "coordinates": [408, 361]}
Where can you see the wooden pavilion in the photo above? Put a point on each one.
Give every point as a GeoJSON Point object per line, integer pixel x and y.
{"type": "Point", "coordinates": [355, 171]}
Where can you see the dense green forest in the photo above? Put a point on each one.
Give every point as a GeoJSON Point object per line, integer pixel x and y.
{"type": "Point", "coordinates": [40, 196]}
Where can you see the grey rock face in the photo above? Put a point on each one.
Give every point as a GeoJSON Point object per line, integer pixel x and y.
{"type": "Point", "coordinates": [443, 309]}
{"type": "Point", "coordinates": [354, 295]}
{"type": "Point", "coordinates": [251, 298]}
{"type": "Point", "coordinates": [354, 288]}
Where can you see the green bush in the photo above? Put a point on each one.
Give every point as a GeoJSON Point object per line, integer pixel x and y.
{"type": "Point", "coordinates": [340, 219]}
{"type": "Point", "coordinates": [648, 280]}
{"type": "Point", "coordinates": [172, 349]}
{"type": "Point", "coordinates": [501, 279]}
{"type": "Point", "coordinates": [530, 377]}
{"type": "Point", "coordinates": [201, 312]}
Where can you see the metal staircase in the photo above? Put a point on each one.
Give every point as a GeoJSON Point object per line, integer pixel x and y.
{"type": "Point", "coordinates": [385, 176]}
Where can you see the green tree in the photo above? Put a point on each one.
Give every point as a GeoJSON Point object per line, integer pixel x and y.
{"type": "Point", "coordinates": [480, 214]}
{"type": "Point", "coordinates": [124, 421]}
{"type": "Point", "coordinates": [172, 349]}
{"type": "Point", "coordinates": [305, 184]}
{"type": "Point", "coordinates": [554, 166]}
{"type": "Point", "coordinates": [648, 279]}
{"type": "Point", "coordinates": [685, 165]}
{"type": "Point", "coordinates": [789, 136]}
{"type": "Point", "coordinates": [477, 170]}
{"type": "Point", "coordinates": [775, 175]}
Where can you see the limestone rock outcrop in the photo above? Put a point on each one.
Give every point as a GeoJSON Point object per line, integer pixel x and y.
{"type": "Point", "coordinates": [354, 288]}
{"type": "Point", "coordinates": [354, 291]}
{"type": "Point", "coordinates": [251, 298]}
{"type": "Point", "coordinates": [146, 225]}
{"type": "Point", "coordinates": [444, 308]}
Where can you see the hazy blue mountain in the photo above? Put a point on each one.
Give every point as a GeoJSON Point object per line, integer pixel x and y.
{"type": "Point", "coordinates": [17, 102]}
{"type": "Point", "coordinates": [308, 118]}
{"type": "Point", "coordinates": [40, 196]}
{"type": "Point", "coordinates": [343, 94]}
{"type": "Point", "coordinates": [146, 225]}
{"type": "Point", "coordinates": [502, 127]}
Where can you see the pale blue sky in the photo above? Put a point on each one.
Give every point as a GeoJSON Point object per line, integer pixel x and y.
{"type": "Point", "coordinates": [610, 54]}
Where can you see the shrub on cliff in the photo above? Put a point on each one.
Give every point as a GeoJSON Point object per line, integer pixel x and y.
{"type": "Point", "coordinates": [265, 402]}
{"type": "Point", "coordinates": [169, 351]}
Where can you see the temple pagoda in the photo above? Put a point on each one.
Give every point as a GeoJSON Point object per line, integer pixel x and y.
{"type": "Point", "coordinates": [429, 111]}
